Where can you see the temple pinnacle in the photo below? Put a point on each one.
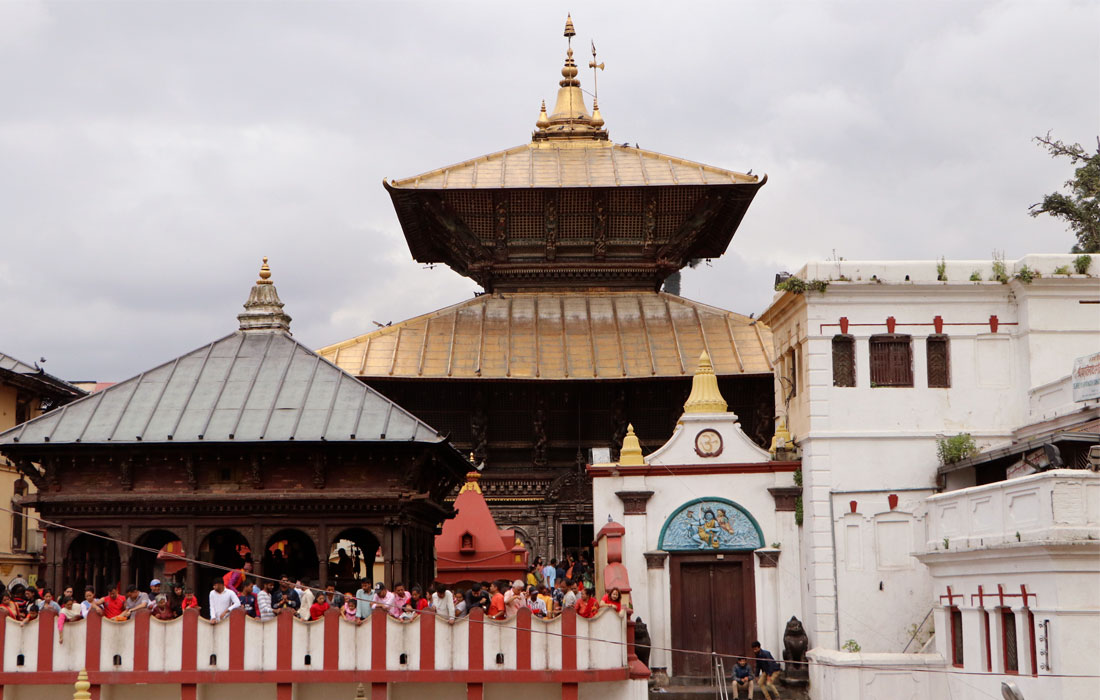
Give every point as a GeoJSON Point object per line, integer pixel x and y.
{"type": "Point", "coordinates": [543, 120]}
{"type": "Point", "coordinates": [569, 31]}
{"type": "Point", "coordinates": [265, 273]}
{"type": "Point", "coordinates": [705, 396]}
{"type": "Point", "coordinates": [631, 452]}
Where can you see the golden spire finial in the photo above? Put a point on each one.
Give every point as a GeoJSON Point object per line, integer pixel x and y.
{"type": "Point", "coordinates": [631, 452]}
{"type": "Point", "coordinates": [265, 273]}
{"type": "Point", "coordinates": [705, 397]}
{"type": "Point", "coordinates": [597, 118]}
{"type": "Point", "coordinates": [543, 120]}
{"type": "Point", "coordinates": [82, 687]}
{"type": "Point", "coordinates": [471, 482]}
{"type": "Point", "coordinates": [569, 31]}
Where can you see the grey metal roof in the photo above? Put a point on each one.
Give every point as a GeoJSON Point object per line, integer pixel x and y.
{"type": "Point", "coordinates": [16, 366]}
{"type": "Point", "coordinates": [248, 386]}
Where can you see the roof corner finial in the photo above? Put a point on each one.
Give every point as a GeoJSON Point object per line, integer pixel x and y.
{"type": "Point", "coordinates": [705, 396]}
{"type": "Point", "coordinates": [543, 120]}
{"type": "Point", "coordinates": [265, 273]}
{"type": "Point", "coordinates": [597, 118]}
{"type": "Point", "coordinates": [264, 310]}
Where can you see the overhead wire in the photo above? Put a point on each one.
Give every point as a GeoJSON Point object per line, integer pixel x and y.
{"type": "Point", "coordinates": [549, 633]}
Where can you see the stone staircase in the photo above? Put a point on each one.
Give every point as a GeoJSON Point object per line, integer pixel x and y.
{"type": "Point", "coordinates": [695, 688]}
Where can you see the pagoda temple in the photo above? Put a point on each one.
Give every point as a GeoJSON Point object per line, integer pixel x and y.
{"type": "Point", "coordinates": [571, 236]}
{"type": "Point", "coordinates": [251, 448]}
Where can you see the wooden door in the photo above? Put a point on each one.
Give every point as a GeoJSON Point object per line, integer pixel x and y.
{"type": "Point", "coordinates": [713, 610]}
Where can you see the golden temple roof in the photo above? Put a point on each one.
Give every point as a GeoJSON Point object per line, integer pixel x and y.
{"type": "Point", "coordinates": [560, 335]}
{"type": "Point", "coordinates": [571, 164]}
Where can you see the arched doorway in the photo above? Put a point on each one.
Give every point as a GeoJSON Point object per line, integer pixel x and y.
{"type": "Point", "coordinates": [146, 566]}
{"type": "Point", "coordinates": [351, 558]}
{"type": "Point", "coordinates": [711, 574]}
{"type": "Point", "coordinates": [291, 553]}
{"type": "Point", "coordinates": [91, 561]}
{"type": "Point", "coordinates": [222, 548]}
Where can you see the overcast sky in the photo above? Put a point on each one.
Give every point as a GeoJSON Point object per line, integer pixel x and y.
{"type": "Point", "coordinates": [151, 152]}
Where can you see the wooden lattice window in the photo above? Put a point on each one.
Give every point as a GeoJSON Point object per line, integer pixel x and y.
{"type": "Point", "coordinates": [956, 637]}
{"type": "Point", "coordinates": [939, 362]}
{"type": "Point", "coordinates": [891, 360]}
{"type": "Point", "coordinates": [1008, 641]}
{"type": "Point", "coordinates": [844, 360]}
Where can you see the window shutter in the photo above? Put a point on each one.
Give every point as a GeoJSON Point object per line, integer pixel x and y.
{"type": "Point", "coordinates": [844, 360]}
{"type": "Point", "coordinates": [891, 360]}
{"type": "Point", "coordinates": [939, 366]}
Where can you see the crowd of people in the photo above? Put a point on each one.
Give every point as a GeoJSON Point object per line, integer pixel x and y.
{"type": "Point", "coordinates": [546, 590]}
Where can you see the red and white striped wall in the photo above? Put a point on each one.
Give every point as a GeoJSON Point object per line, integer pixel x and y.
{"type": "Point", "coordinates": [383, 653]}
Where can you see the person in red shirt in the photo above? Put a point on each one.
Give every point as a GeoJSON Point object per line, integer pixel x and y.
{"type": "Point", "coordinates": [418, 601]}
{"type": "Point", "coordinates": [613, 599]}
{"type": "Point", "coordinates": [114, 605]}
{"type": "Point", "coordinates": [320, 605]}
{"type": "Point", "coordinates": [190, 600]}
{"type": "Point", "coordinates": [496, 602]}
{"type": "Point", "coordinates": [586, 605]}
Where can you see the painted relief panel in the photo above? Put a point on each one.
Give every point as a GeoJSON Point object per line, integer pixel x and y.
{"type": "Point", "coordinates": [710, 524]}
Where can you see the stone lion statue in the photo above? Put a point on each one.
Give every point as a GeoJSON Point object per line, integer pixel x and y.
{"type": "Point", "coordinates": [795, 645]}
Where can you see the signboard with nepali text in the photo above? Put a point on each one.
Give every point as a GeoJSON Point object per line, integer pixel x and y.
{"type": "Point", "coordinates": [1086, 377]}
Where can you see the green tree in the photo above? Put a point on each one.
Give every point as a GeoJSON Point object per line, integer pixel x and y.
{"type": "Point", "coordinates": [1080, 209]}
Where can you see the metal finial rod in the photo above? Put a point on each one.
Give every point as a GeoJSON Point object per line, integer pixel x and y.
{"type": "Point", "coordinates": [593, 65]}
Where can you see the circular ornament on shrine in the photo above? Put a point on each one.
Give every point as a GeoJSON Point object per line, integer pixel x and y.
{"type": "Point", "coordinates": [708, 443]}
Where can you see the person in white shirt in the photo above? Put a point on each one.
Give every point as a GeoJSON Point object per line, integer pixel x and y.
{"type": "Point", "coordinates": [222, 601]}
{"type": "Point", "coordinates": [443, 602]}
{"type": "Point", "coordinates": [306, 596]}
{"type": "Point", "coordinates": [570, 597]}
{"type": "Point", "coordinates": [514, 599]}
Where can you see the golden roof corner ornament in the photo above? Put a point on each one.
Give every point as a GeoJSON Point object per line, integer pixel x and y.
{"type": "Point", "coordinates": [597, 119]}
{"type": "Point", "coordinates": [265, 273]}
{"type": "Point", "coordinates": [543, 120]}
{"type": "Point", "coordinates": [782, 438]}
{"type": "Point", "coordinates": [705, 397]}
{"type": "Point", "coordinates": [471, 484]}
{"type": "Point", "coordinates": [631, 452]}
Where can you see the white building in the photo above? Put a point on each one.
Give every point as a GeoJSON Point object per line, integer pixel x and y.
{"type": "Point", "coordinates": [711, 542]}
{"type": "Point", "coordinates": [878, 364]}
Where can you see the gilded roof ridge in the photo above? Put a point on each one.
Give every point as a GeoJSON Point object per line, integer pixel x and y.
{"type": "Point", "coordinates": [411, 182]}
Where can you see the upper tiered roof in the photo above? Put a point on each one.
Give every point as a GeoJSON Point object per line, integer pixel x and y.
{"type": "Point", "coordinates": [571, 208]}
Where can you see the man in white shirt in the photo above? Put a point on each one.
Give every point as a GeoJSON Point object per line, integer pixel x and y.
{"type": "Point", "coordinates": [514, 598]}
{"type": "Point", "coordinates": [570, 597]}
{"type": "Point", "coordinates": [222, 601]}
{"type": "Point", "coordinates": [306, 596]}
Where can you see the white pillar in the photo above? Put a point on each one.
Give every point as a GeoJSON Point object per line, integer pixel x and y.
{"type": "Point", "coordinates": [659, 621]}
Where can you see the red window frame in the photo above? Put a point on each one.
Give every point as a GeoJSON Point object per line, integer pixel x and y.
{"type": "Point", "coordinates": [955, 617]}
{"type": "Point", "coordinates": [1032, 652]}
{"type": "Point", "coordinates": [988, 641]}
{"type": "Point", "coordinates": [1008, 620]}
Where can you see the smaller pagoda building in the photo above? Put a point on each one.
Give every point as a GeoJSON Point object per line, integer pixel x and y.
{"type": "Point", "coordinates": [472, 547]}
{"type": "Point", "coordinates": [250, 448]}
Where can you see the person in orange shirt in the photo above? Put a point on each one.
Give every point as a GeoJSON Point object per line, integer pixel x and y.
{"type": "Point", "coordinates": [496, 601]}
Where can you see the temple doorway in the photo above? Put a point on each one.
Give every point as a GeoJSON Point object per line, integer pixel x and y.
{"type": "Point", "coordinates": [291, 553]}
{"type": "Point", "coordinates": [91, 561]}
{"type": "Point", "coordinates": [225, 549]}
{"type": "Point", "coordinates": [351, 559]}
{"type": "Point", "coordinates": [148, 565]}
{"type": "Point", "coordinates": [714, 609]}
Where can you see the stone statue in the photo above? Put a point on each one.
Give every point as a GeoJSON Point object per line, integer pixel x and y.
{"type": "Point", "coordinates": [795, 645]}
{"type": "Point", "coordinates": [642, 641]}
